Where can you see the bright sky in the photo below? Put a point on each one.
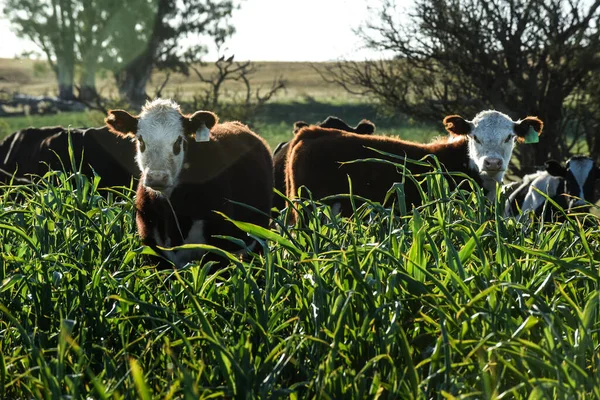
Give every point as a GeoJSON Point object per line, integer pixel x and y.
{"type": "Point", "coordinates": [276, 30]}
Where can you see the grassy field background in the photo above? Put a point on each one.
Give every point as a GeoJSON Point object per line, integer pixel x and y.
{"type": "Point", "coordinates": [306, 97]}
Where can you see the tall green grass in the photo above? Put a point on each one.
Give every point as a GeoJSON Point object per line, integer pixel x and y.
{"type": "Point", "coordinates": [449, 300]}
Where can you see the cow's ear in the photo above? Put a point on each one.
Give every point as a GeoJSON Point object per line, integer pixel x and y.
{"type": "Point", "coordinates": [198, 120]}
{"type": "Point", "coordinates": [554, 168]}
{"type": "Point", "coordinates": [299, 125]}
{"type": "Point", "coordinates": [524, 127]}
{"type": "Point", "coordinates": [457, 125]}
{"type": "Point", "coordinates": [121, 123]}
{"type": "Point", "coordinates": [365, 127]}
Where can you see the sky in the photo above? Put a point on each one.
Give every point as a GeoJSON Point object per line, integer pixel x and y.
{"type": "Point", "coordinates": [276, 30]}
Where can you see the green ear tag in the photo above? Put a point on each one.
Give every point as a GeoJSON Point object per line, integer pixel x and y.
{"type": "Point", "coordinates": [532, 136]}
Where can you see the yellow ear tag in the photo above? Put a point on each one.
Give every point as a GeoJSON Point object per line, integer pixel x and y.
{"type": "Point", "coordinates": [202, 134]}
{"type": "Point", "coordinates": [532, 136]}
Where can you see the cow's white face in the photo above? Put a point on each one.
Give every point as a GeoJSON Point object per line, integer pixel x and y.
{"type": "Point", "coordinates": [162, 135]}
{"type": "Point", "coordinates": [581, 169]}
{"type": "Point", "coordinates": [579, 178]}
{"type": "Point", "coordinates": [161, 144]}
{"type": "Point", "coordinates": [492, 136]}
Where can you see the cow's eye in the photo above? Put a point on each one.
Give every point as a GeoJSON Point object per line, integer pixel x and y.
{"type": "Point", "coordinates": [177, 145]}
{"type": "Point", "coordinates": [476, 139]}
{"type": "Point", "coordinates": [142, 144]}
{"type": "Point", "coordinates": [509, 138]}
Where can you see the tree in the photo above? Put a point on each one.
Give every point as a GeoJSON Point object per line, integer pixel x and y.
{"type": "Point", "coordinates": [127, 37]}
{"type": "Point", "coordinates": [523, 57]}
{"type": "Point", "coordinates": [242, 104]}
{"type": "Point", "coordinates": [51, 26]}
{"type": "Point", "coordinates": [161, 38]}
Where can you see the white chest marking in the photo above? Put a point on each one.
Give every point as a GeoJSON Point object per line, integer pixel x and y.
{"type": "Point", "coordinates": [181, 257]}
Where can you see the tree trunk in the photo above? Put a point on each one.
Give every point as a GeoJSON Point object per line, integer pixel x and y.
{"type": "Point", "coordinates": [133, 78]}
{"type": "Point", "coordinates": [87, 81]}
{"type": "Point", "coordinates": [65, 69]}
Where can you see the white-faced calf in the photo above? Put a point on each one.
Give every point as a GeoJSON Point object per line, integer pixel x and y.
{"type": "Point", "coordinates": [192, 167]}
{"type": "Point", "coordinates": [480, 148]}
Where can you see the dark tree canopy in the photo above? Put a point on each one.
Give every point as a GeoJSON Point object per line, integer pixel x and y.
{"type": "Point", "coordinates": [522, 57]}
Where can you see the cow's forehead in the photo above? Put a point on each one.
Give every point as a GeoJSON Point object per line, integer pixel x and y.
{"type": "Point", "coordinates": [580, 168]}
{"type": "Point", "coordinates": [492, 124]}
{"type": "Point", "coordinates": [160, 119]}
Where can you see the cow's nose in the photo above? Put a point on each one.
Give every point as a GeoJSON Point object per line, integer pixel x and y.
{"type": "Point", "coordinates": [492, 164]}
{"type": "Point", "coordinates": [156, 179]}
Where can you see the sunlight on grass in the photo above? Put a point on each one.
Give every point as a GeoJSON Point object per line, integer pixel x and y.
{"type": "Point", "coordinates": [450, 298]}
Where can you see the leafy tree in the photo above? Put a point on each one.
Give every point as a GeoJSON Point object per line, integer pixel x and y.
{"type": "Point", "coordinates": [128, 37]}
{"type": "Point", "coordinates": [161, 38]}
{"type": "Point", "coordinates": [523, 57]}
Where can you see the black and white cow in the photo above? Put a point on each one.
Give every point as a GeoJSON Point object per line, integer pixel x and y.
{"type": "Point", "coordinates": [191, 168]}
{"type": "Point", "coordinates": [570, 186]}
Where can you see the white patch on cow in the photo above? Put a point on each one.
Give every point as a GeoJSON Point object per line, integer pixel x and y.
{"type": "Point", "coordinates": [196, 233]}
{"type": "Point", "coordinates": [580, 168]}
{"type": "Point", "coordinates": [181, 257]}
{"type": "Point", "coordinates": [515, 189]}
{"type": "Point", "coordinates": [336, 208]}
{"type": "Point", "coordinates": [160, 126]}
{"type": "Point", "coordinates": [491, 143]}
{"type": "Point", "coordinates": [545, 183]}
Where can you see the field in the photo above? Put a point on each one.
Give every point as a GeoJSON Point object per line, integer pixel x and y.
{"type": "Point", "coordinates": [449, 300]}
{"type": "Point", "coordinates": [306, 97]}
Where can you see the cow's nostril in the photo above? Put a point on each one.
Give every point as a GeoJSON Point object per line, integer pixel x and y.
{"type": "Point", "coordinates": [492, 163]}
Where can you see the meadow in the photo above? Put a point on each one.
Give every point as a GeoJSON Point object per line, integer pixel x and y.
{"type": "Point", "coordinates": [448, 300]}
{"type": "Point", "coordinates": [306, 98]}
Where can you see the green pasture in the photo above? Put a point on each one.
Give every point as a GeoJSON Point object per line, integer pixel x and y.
{"type": "Point", "coordinates": [449, 300]}
{"type": "Point", "coordinates": [274, 123]}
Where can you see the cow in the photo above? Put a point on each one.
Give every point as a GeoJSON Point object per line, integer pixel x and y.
{"type": "Point", "coordinates": [97, 150]}
{"type": "Point", "coordinates": [192, 169]}
{"type": "Point", "coordinates": [364, 127]}
{"type": "Point", "coordinates": [480, 148]}
{"type": "Point", "coordinates": [20, 151]}
{"type": "Point", "coordinates": [570, 186]}
{"type": "Point", "coordinates": [33, 151]}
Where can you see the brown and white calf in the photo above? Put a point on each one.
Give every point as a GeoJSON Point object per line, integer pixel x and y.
{"type": "Point", "coordinates": [193, 167]}
{"type": "Point", "coordinates": [480, 148]}
{"type": "Point", "coordinates": [364, 127]}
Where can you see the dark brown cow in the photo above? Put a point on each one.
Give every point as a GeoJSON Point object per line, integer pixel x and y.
{"type": "Point", "coordinates": [364, 127]}
{"type": "Point", "coordinates": [20, 151]}
{"type": "Point", "coordinates": [192, 167]}
{"type": "Point", "coordinates": [480, 148]}
{"type": "Point", "coordinates": [33, 151]}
